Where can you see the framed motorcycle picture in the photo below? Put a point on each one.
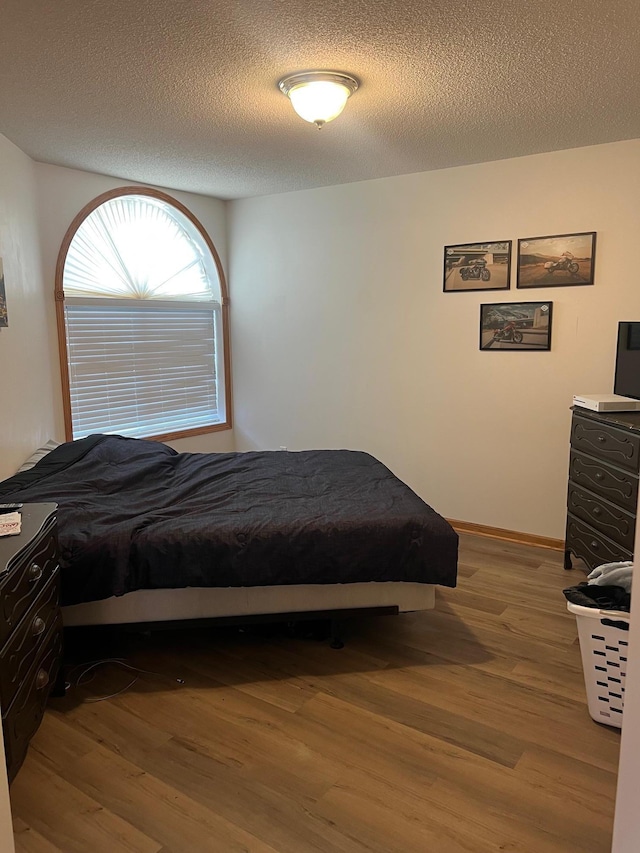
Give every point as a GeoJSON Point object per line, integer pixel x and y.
{"type": "Point", "coordinates": [559, 261]}
{"type": "Point", "coordinates": [516, 326]}
{"type": "Point", "coordinates": [477, 266]}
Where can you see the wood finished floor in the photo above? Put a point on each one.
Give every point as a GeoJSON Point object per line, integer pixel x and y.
{"type": "Point", "coordinates": [464, 729]}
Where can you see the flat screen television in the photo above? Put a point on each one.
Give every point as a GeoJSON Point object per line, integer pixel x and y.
{"type": "Point", "coordinates": [627, 379]}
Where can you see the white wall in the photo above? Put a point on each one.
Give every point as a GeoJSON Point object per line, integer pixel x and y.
{"type": "Point", "coordinates": [62, 193]}
{"type": "Point", "coordinates": [343, 338]}
{"type": "Point", "coordinates": [626, 827]}
{"type": "Point", "coordinates": [26, 395]}
{"type": "Point", "coordinates": [26, 374]}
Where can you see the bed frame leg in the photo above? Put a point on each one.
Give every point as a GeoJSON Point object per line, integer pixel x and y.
{"type": "Point", "coordinates": [335, 634]}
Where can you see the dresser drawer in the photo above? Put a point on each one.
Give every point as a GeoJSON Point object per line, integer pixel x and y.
{"type": "Point", "coordinates": [29, 574]}
{"type": "Point", "coordinates": [591, 546]}
{"type": "Point", "coordinates": [620, 487]}
{"type": "Point", "coordinates": [21, 720]}
{"type": "Point", "coordinates": [617, 524]}
{"type": "Point", "coordinates": [606, 442]}
{"type": "Point", "coordinates": [22, 648]}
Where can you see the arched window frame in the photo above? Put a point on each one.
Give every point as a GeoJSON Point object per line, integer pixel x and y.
{"type": "Point", "coordinates": [60, 308]}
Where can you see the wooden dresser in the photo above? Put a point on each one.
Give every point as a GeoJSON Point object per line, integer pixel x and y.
{"type": "Point", "coordinates": [30, 628]}
{"type": "Point", "coordinates": [603, 486]}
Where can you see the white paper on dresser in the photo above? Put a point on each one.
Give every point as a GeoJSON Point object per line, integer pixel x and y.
{"type": "Point", "coordinates": [10, 523]}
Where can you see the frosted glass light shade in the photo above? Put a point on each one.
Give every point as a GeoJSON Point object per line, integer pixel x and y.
{"type": "Point", "coordinates": [318, 96]}
{"type": "Point", "coordinates": [320, 101]}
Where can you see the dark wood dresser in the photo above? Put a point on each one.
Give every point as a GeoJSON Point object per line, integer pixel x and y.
{"type": "Point", "coordinates": [603, 486]}
{"type": "Point", "coordinates": [30, 628]}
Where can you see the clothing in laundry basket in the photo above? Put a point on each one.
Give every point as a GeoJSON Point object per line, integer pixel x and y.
{"type": "Point", "coordinates": [612, 574]}
{"type": "Point", "coordinates": [608, 588]}
{"type": "Point", "coordinates": [599, 597]}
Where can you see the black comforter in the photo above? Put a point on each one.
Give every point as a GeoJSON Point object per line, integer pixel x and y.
{"type": "Point", "coordinates": [136, 514]}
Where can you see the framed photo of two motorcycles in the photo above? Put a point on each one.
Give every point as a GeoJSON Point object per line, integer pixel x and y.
{"type": "Point", "coordinates": [555, 261]}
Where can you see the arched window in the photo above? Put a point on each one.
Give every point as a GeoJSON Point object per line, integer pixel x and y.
{"type": "Point", "coordinates": [142, 320]}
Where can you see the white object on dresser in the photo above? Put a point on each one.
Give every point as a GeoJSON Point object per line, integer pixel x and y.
{"type": "Point", "coordinates": [606, 402]}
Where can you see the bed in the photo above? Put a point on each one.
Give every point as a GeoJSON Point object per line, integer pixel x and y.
{"type": "Point", "coordinates": [150, 535]}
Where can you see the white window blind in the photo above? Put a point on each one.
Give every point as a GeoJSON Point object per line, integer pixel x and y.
{"type": "Point", "coordinates": [141, 370]}
{"type": "Point", "coordinates": [142, 319]}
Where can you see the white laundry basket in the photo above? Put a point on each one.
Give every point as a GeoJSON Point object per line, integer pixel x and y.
{"type": "Point", "coordinates": [604, 640]}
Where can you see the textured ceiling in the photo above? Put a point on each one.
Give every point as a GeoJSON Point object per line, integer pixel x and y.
{"type": "Point", "coordinates": [183, 93]}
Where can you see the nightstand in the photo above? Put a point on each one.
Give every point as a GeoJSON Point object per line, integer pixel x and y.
{"type": "Point", "coordinates": [30, 628]}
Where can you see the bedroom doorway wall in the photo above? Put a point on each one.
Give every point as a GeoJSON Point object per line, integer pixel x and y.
{"type": "Point", "coordinates": [26, 377]}
{"type": "Point", "coordinates": [626, 829]}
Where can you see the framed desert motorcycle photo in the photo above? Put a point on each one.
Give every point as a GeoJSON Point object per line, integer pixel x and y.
{"type": "Point", "coordinates": [477, 266]}
{"type": "Point", "coordinates": [515, 326]}
{"type": "Point", "coordinates": [560, 261]}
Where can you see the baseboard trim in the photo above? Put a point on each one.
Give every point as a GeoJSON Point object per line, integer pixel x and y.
{"type": "Point", "coordinates": [507, 535]}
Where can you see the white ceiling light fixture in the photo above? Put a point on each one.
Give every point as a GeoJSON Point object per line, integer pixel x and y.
{"type": "Point", "coordinates": [318, 96]}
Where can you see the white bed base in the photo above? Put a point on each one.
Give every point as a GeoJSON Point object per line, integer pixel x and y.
{"type": "Point", "coordinates": [165, 605]}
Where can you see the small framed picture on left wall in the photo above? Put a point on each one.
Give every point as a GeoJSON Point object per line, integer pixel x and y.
{"type": "Point", "coordinates": [4, 319]}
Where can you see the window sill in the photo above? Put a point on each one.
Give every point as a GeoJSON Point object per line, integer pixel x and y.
{"type": "Point", "coordinates": [187, 433]}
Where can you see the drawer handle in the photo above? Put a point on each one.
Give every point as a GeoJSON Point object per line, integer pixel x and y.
{"type": "Point", "coordinates": [35, 572]}
{"type": "Point", "coordinates": [602, 438]}
{"type": "Point", "coordinates": [599, 475]}
{"type": "Point", "coordinates": [38, 626]}
{"type": "Point", "coordinates": [42, 679]}
{"type": "Point", "coordinates": [595, 545]}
